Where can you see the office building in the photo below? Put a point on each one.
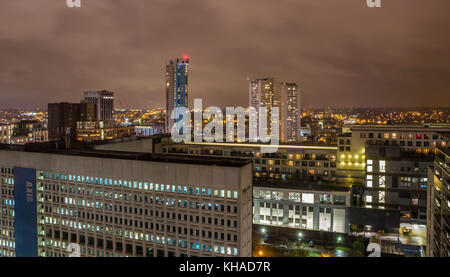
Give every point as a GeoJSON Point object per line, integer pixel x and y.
{"type": "Point", "coordinates": [104, 104]}
{"type": "Point", "coordinates": [99, 130]}
{"type": "Point", "coordinates": [302, 205]}
{"type": "Point", "coordinates": [177, 89]}
{"type": "Point", "coordinates": [63, 118]}
{"type": "Point", "coordinates": [286, 96]}
{"type": "Point", "coordinates": [114, 203]}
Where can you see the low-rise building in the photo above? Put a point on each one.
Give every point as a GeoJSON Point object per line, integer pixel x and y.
{"type": "Point", "coordinates": [302, 206]}
{"type": "Point", "coordinates": [98, 131]}
{"type": "Point", "coordinates": [5, 133]}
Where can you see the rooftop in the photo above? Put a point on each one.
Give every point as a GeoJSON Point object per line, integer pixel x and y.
{"type": "Point", "coordinates": [301, 145]}
{"type": "Point", "coordinates": [85, 150]}
{"type": "Point", "coordinates": [303, 185]}
{"type": "Point", "coordinates": [412, 127]}
{"type": "Point", "coordinates": [158, 137]}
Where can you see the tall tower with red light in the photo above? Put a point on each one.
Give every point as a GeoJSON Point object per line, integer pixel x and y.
{"type": "Point", "coordinates": [177, 89]}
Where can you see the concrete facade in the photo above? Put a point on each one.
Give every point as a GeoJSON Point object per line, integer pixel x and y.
{"type": "Point", "coordinates": [120, 206]}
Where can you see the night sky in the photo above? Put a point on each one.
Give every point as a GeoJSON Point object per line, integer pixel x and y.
{"type": "Point", "coordinates": [340, 52]}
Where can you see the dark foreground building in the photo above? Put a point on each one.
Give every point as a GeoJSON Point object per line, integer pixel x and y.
{"type": "Point", "coordinates": [109, 203]}
{"type": "Point", "coordinates": [63, 118]}
{"type": "Point", "coordinates": [438, 218]}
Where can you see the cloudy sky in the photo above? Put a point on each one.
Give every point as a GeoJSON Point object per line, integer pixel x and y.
{"type": "Point", "coordinates": [340, 52]}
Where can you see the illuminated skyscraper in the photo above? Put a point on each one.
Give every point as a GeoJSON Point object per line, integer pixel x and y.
{"type": "Point", "coordinates": [177, 73]}
{"type": "Point", "coordinates": [104, 102]}
{"type": "Point", "coordinates": [268, 93]}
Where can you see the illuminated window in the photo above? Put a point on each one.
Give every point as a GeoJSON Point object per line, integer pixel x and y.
{"type": "Point", "coordinates": [382, 181]}
{"type": "Point", "coordinates": [381, 197]}
{"type": "Point", "coordinates": [277, 195]}
{"type": "Point", "coordinates": [369, 198]}
{"type": "Point", "coordinates": [382, 166]}
{"type": "Point", "coordinates": [308, 198]}
{"type": "Point", "coordinates": [294, 196]}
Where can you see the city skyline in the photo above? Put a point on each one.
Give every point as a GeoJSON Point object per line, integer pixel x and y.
{"type": "Point", "coordinates": [370, 56]}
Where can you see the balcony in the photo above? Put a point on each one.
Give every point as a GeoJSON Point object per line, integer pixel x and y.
{"type": "Point", "coordinates": [446, 220]}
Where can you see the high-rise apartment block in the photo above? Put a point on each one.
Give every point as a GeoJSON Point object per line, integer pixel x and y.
{"type": "Point", "coordinates": [388, 164]}
{"type": "Point", "coordinates": [269, 93]}
{"type": "Point", "coordinates": [104, 104]}
{"type": "Point", "coordinates": [177, 89]}
{"type": "Point", "coordinates": [438, 204]}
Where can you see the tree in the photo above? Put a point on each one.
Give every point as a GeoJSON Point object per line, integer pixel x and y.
{"type": "Point", "coordinates": [359, 247]}
{"type": "Point", "coordinates": [300, 252]}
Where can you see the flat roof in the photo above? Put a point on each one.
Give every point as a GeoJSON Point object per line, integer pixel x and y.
{"type": "Point", "coordinates": [300, 145]}
{"type": "Point", "coordinates": [302, 185]}
{"type": "Point", "coordinates": [84, 150]}
{"type": "Point", "coordinates": [282, 146]}
{"type": "Point", "coordinates": [411, 127]}
{"type": "Point", "coordinates": [128, 139]}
